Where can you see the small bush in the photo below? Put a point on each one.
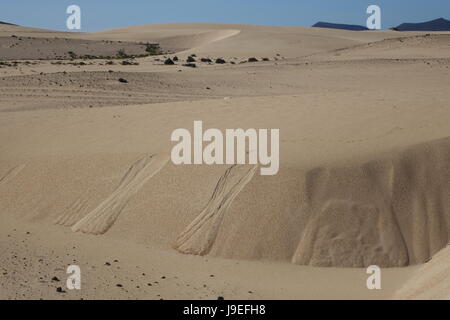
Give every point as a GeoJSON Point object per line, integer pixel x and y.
{"type": "Point", "coordinates": [72, 55]}
{"type": "Point", "coordinates": [153, 49]}
{"type": "Point", "coordinates": [121, 54]}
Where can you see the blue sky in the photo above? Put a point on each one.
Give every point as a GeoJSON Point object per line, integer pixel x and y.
{"type": "Point", "coordinates": [103, 14]}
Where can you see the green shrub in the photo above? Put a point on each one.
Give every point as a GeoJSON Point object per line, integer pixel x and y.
{"type": "Point", "coordinates": [153, 49]}
{"type": "Point", "coordinates": [72, 55]}
{"type": "Point", "coordinates": [121, 54]}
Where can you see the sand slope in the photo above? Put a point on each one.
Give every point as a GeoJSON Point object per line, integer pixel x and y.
{"type": "Point", "coordinates": [431, 281]}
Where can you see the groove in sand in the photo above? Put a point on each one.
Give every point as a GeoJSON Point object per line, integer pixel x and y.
{"type": "Point", "coordinates": [199, 236]}
{"type": "Point", "coordinates": [101, 219]}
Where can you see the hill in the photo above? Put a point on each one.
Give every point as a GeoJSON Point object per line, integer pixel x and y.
{"type": "Point", "coordinates": [1, 22]}
{"type": "Point", "coordinates": [440, 24]}
{"type": "Point", "coordinates": [329, 25]}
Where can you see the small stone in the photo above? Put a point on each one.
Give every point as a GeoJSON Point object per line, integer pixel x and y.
{"type": "Point", "coordinates": [190, 65]}
{"type": "Point", "coordinates": [169, 62]}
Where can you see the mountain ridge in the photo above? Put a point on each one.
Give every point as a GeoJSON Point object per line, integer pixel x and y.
{"type": "Point", "coordinates": [439, 24]}
{"type": "Point", "coordinates": [329, 25]}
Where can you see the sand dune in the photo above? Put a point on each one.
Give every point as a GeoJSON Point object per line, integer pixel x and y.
{"type": "Point", "coordinates": [364, 160]}
{"type": "Point", "coordinates": [103, 217]}
{"type": "Point", "coordinates": [392, 213]}
{"type": "Point", "coordinates": [226, 40]}
{"type": "Point", "coordinates": [200, 235]}
{"type": "Point", "coordinates": [429, 46]}
{"type": "Point", "coordinates": [35, 48]}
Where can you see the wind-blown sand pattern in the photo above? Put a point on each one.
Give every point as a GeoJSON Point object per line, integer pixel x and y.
{"type": "Point", "coordinates": [75, 212]}
{"type": "Point", "coordinates": [103, 217]}
{"type": "Point", "coordinates": [390, 212]}
{"type": "Point", "coordinates": [199, 236]}
{"type": "Point", "coordinates": [364, 163]}
{"type": "Point", "coordinates": [430, 281]}
{"type": "Point", "coordinates": [10, 174]}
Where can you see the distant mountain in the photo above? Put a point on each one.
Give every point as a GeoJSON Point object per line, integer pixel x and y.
{"type": "Point", "coordinates": [1, 22]}
{"type": "Point", "coordinates": [440, 24]}
{"type": "Point", "coordinates": [339, 26]}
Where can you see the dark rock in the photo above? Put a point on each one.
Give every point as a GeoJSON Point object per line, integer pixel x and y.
{"type": "Point", "coordinates": [123, 80]}
{"type": "Point", "coordinates": [129, 63]}
{"type": "Point", "coordinates": [169, 62]}
{"type": "Point", "coordinates": [220, 61]}
{"type": "Point", "coordinates": [253, 59]}
{"type": "Point", "coordinates": [191, 65]}
{"type": "Point", "coordinates": [55, 279]}
{"type": "Point", "coordinates": [208, 60]}
{"type": "Point", "coordinates": [190, 59]}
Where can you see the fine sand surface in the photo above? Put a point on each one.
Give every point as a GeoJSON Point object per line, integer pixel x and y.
{"type": "Point", "coordinates": [86, 176]}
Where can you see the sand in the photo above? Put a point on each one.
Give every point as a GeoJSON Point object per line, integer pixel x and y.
{"type": "Point", "coordinates": [86, 176]}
